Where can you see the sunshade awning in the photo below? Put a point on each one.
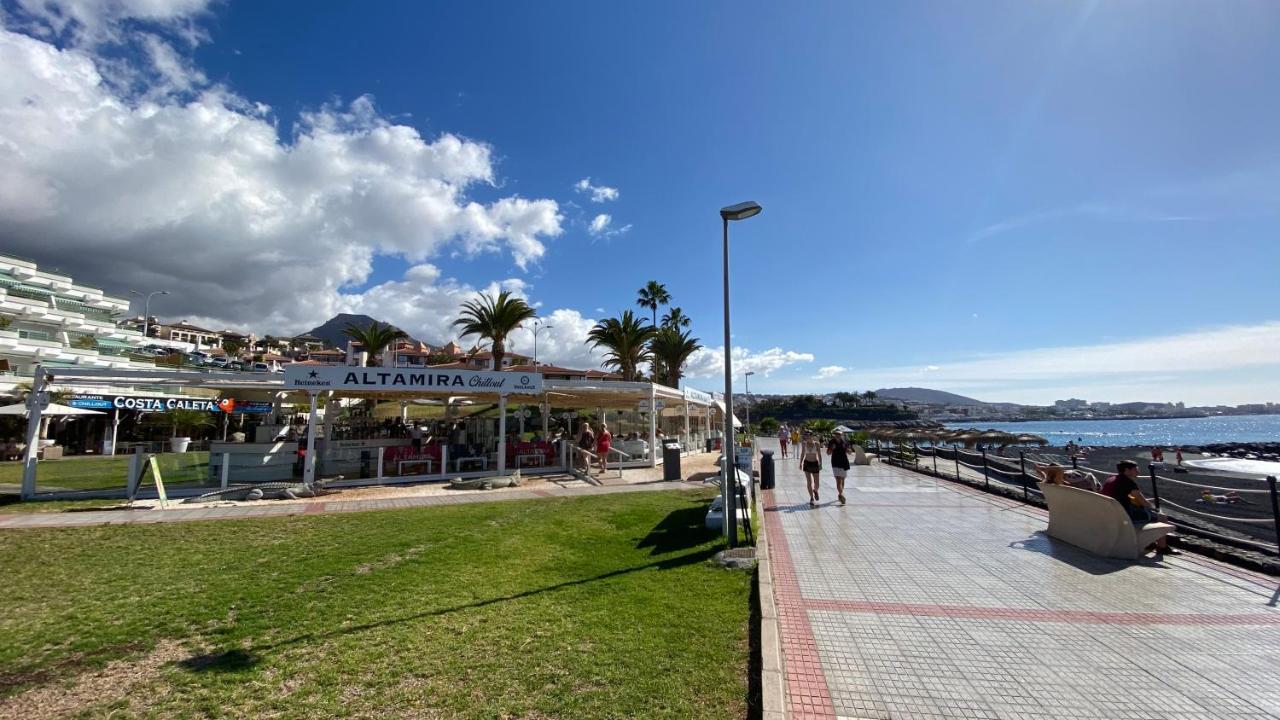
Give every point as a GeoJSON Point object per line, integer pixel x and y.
{"type": "Point", "coordinates": [720, 405]}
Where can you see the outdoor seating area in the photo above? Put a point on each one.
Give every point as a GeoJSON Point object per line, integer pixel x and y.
{"type": "Point", "coordinates": [1096, 522]}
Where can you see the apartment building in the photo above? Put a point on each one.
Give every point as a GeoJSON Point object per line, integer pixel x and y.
{"type": "Point", "coordinates": [46, 318]}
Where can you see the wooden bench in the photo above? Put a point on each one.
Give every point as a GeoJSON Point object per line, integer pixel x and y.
{"type": "Point", "coordinates": [1097, 523]}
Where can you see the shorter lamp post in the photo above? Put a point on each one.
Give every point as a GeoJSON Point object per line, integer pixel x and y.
{"type": "Point", "coordinates": [146, 310]}
{"type": "Point", "coordinates": [537, 328]}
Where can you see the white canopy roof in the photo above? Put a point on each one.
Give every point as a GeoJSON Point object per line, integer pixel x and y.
{"type": "Point", "coordinates": [720, 404]}
{"type": "Point", "coordinates": [53, 409]}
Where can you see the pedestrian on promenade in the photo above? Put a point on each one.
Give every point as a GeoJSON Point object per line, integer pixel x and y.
{"type": "Point", "coordinates": [795, 439]}
{"type": "Point", "coordinates": [811, 464]}
{"type": "Point", "coordinates": [1178, 456]}
{"type": "Point", "coordinates": [587, 442]}
{"type": "Point", "coordinates": [604, 442]}
{"type": "Point", "coordinates": [784, 437]}
{"type": "Point", "coordinates": [838, 449]}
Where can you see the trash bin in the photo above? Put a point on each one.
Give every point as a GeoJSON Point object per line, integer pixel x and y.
{"type": "Point", "coordinates": [711, 444]}
{"type": "Point", "coordinates": [671, 462]}
{"type": "Point", "coordinates": [766, 469]}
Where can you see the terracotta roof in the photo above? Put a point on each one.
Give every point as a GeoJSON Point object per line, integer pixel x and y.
{"type": "Point", "coordinates": [602, 375]}
{"type": "Point", "coordinates": [327, 352]}
{"type": "Point", "coordinates": [451, 366]}
{"type": "Point", "coordinates": [547, 370]}
{"type": "Point", "coordinates": [486, 355]}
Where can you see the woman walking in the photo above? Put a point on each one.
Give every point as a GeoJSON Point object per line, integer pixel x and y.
{"type": "Point", "coordinates": [838, 449]}
{"type": "Point", "coordinates": [604, 442]}
{"type": "Point", "coordinates": [810, 453]}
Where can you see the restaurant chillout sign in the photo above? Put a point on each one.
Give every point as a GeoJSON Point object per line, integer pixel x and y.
{"type": "Point", "coordinates": [312, 377]}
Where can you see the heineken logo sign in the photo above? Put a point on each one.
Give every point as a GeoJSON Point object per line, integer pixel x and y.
{"type": "Point", "coordinates": [312, 377]}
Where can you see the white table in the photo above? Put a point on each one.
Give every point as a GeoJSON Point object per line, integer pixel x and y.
{"type": "Point", "coordinates": [429, 462]}
{"type": "Point", "coordinates": [484, 462]}
{"type": "Point", "coordinates": [539, 457]}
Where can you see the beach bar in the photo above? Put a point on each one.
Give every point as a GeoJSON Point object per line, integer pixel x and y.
{"type": "Point", "coordinates": [331, 423]}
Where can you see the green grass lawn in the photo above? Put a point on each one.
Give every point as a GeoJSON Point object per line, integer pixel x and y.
{"type": "Point", "coordinates": [591, 607]}
{"type": "Point", "coordinates": [109, 473]}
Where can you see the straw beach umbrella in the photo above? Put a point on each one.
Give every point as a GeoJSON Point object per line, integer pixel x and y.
{"type": "Point", "coordinates": [1030, 439]}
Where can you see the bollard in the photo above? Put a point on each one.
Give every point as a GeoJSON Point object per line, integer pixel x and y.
{"type": "Point", "coordinates": [915, 454]}
{"type": "Point", "coordinates": [986, 476]}
{"type": "Point", "coordinates": [956, 457]}
{"type": "Point", "coordinates": [1075, 463]}
{"type": "Point", "coordinates": [1275, 508]}
{"type": "Point", "coordinates": [1155, 489]}
{"type": "Point", "coordinates": [934, 449]}
{"type": "Point", "coordinates": [1022, 465]}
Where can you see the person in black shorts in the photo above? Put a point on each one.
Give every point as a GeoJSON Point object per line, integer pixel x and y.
{"type": "Point", "coordinates": [811, 464]}
{"type": "Point", "coordinates": [838, 449]}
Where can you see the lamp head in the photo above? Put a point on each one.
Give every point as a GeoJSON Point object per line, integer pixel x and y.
{"type": "Point", "coordinates": [753, 372]}
{"type": "Point", "coordinates": [741, 211]}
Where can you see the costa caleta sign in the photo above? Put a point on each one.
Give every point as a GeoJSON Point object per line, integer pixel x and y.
{"type": "Point", "coordinates": [161, 404]}
{"type": "Point", "coordinates": [313, 377]}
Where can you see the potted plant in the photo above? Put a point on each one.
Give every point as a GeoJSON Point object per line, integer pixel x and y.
{"type": "Point", "coordinates": [186, 421]}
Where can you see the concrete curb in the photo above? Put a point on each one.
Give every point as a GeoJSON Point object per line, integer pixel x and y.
{"type": "Point", "coordinates": [771, 671]}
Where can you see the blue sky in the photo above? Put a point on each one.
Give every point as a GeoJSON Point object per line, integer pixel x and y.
{"type": "Point", "coordinates": [954, 192]}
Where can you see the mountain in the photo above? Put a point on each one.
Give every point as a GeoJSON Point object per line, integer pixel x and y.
{"type": "Point", "coordinates": [331, 332]}
{"type": "Point", "coordinates": [925, 395]}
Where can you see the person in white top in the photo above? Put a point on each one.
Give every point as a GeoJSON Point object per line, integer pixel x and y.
{"type": "Point", "coordinates": [784, 437]}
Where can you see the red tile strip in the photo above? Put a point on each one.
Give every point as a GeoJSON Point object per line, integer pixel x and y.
{"type": "Point", "coordinates": [808, 697]}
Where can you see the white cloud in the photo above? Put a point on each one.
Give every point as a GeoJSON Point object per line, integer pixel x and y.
{"type": "Point", "coordinates": [98, 21]}
{"type": "Point", "coordinates": [599, 193]}
{"type": "Point", "coordinates": [602, 226]}
{"type": "Point", "coordinates": [1233, 364]}
{"type": "Point", "coordinates": [829, 371]}
{"type": "Point", "coordinates": [709, 362]}
{"type": "Point", "coordinates": [246, 223]}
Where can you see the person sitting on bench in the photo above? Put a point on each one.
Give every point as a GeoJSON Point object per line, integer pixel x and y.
{"type": "Point", "coordinates": [1123, 487]}
{"type": "Point", "coordinates": [1056, 474]}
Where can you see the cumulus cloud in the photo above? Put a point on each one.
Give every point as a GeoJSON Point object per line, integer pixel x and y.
{"type": "Point", "coordinates": [709, 362]}
{"type": "Point", "coordinates": [190, 187]}
{"type": "Point", "coordinates": [599, 193]}
{"type": "Point", "coordinates": [829, 371]}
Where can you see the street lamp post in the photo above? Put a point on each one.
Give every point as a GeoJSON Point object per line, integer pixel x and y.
{"type": "Point", "coordinates": [741, 211]}
{"type": "Point", "coordinates": [537, 328]}
{"type": "Point", "coordinates": [746, 380]}
{"type": "Point", "coordinates": [146, 310]}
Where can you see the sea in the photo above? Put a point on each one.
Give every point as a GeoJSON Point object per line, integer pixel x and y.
{"type": "Point", "coordinates": [1118, 433]}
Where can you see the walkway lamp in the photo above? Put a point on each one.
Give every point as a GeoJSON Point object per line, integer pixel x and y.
{"type": "Point", "coordinates": [146, 310]}
{"type": "Point", "coordinates": [746, 380]}
{"type": "Point", "coordinates": [741, 211]}
{"type": "Point", "coordinates": [537, 328]}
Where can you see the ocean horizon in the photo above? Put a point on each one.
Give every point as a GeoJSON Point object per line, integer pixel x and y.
{"type": "Point", "coordinates": [1167, 431]}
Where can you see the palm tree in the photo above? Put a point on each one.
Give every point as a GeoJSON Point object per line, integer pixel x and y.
{"type": "Point", "coordinates": [493, 319]}
{"type": "Point", "coordinates": [675, 318]}
{"type": "Point", "coordinates": [627, 341]}
{"type": "Point", "coordinates": [869, 397]}
{"type": "Point", "coordinates": [374, 339]}
{"type": "Point", "coordinates": [671, 348]}
{"type": "Point", "coordinates": [651, 296]}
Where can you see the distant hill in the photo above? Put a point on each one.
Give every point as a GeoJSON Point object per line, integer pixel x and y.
{"type": "Point", "coordinates": [331, 332]}
{"type": "Point", "coordinates": [925, 395]}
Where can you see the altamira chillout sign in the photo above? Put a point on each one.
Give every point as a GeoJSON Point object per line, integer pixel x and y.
{"type": "Point", "coordinates": [375, 379]}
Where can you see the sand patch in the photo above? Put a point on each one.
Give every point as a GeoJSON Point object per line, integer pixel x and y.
{"type": "Point", "coordinates": [111, 683]}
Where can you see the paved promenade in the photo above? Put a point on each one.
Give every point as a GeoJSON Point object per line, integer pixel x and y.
{"type": "Point", "coordinates": [926, 599]}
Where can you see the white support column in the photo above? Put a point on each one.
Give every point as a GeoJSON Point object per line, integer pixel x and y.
{"type": "Point", "coordinates": [502, 435]}
{"type": "Point", "coordinates": [521, 411]}
{"type": "Point", "coordinates": [404, 411]}
{"type": "Point", "coordinates": [309, 469]}
{"type": "Point", "coordinates": [226, 470]}
{"type": "Point", "coordinates": [115, 430]}
{"type": "Point", "coordinates": [687, 441]}
{"type": "Point", "coordinates": [326, 427]}
{"type": "Point", "coordinates": [653, 427]}
{"type": "Point", "coordinates": [34, 410]}
{"type": "Point", "coordinates": [546, 412]}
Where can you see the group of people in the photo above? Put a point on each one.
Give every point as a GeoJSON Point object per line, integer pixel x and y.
{"type": "Point", "coordinates": [788, 437]}
{"type": "Point", "coordinates": [592, 442]}
{"type": "Point", "coordinates": [1123, 487]}
{"type": "Point", "coordinates": [1157, 455]}
{"type": "Point", "coordinates": [809, 450]}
